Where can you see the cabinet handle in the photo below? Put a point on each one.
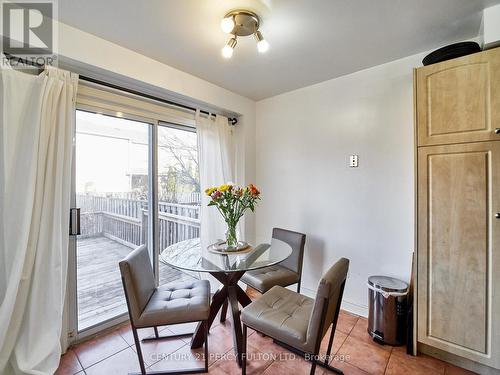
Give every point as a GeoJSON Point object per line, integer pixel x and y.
{"type": "Point", "coordinates": [497, 130]}
{"type": "Point", "coordinates": [497, 215]}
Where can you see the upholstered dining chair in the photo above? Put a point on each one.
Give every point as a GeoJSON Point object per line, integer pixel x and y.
{"type": "Point", "coordinates": [172, 303]}
{"type": "Point", "coordinates": [286, 273]}
{"type": "Point", "coordinates": [297, 322]}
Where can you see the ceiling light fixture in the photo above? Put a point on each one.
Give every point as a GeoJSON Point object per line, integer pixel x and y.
{"type": "Point", "coordinates": [242, 23]}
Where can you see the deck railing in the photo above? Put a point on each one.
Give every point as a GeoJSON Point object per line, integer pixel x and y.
{"type": "Point", "coordinates": [133, 207]}
{"type": "Point", "coordinates": [125, 220]}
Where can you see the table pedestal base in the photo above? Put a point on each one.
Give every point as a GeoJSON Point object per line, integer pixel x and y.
{"type": "Point", "coordinates": [231, 292]}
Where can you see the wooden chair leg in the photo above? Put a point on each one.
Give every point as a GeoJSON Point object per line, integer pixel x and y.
{"type": "Point", "coordinates": [139, 351]}
{"type": "Point", "coordinates": [244, 351]}
{"type": "Point", "coordinates": [223, 312]}
{"type": "Point", "coordinates": [156, 332]}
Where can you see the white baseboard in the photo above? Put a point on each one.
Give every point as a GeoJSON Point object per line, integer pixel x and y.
{"type": "Point", "coordinates": [354, 308]}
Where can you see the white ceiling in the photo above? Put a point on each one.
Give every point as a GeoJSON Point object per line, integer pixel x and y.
{"type": "Point", "coordinates": [311, 40]}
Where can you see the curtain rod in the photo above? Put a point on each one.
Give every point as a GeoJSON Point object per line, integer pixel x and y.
{"type": "Point", "coordinates": [232, 120]}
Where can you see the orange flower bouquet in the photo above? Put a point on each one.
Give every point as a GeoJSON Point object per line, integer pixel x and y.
{"type": "Point", "coordinates": [232, 202]}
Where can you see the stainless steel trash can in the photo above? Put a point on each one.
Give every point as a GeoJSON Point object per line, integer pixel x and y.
{"type": "Point", "coordinates": [387, 309]}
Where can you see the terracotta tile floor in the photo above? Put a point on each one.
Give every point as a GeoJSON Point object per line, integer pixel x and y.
{"type": "Point", "coordinates": [114, 353]}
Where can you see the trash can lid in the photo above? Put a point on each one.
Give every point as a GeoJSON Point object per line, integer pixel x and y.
{"type": "Point", "coordinates": [388, 284]}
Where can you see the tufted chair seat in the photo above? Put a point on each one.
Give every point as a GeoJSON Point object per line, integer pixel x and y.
{"type": "Point", "coordinates": [265, 278]}
{"type": "Point", "coordinates": [281, 314]}
{"type": "Point", "coordinates": [177, 302]}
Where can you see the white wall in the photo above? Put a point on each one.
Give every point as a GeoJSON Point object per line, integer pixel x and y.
{"type": "Point", "coordinates": [303, 139]}
{"type": "Point", "coordinates": [102, 55]}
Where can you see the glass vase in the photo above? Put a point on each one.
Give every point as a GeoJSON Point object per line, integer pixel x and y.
{"type": "Point", "coordinates": [231, 239]}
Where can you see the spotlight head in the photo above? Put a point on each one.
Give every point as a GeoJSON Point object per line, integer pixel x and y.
{"type": "Point", "coordinates": [262, 44]}
{"type": "Point", "coordinates": [227, 24]}
{"type": "Point", "coordinates": [228, 49]}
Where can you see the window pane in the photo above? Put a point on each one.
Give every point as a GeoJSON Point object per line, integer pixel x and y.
{"type": "Point", "coordinates": [178, 192]}
{"type": "Point", "coordinates": [112, 164]}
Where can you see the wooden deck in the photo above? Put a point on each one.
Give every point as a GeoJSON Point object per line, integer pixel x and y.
{"type": "Point", "coordinates": [100, 293]}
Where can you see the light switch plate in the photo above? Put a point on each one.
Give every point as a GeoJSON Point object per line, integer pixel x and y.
{"type": "Point", "coordinates": [353, 161]}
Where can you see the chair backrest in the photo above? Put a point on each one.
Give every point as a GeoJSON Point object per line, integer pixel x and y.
{"type": "Point", "coordinates": [138, 280]}
{"type": "Point", "coordinates": [297, 242]}
{"type": "Point", "coordinates": [329, 292]}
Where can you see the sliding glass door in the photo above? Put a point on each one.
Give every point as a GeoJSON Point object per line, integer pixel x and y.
{"type": "Point", "coordinates": [178, 193]}
{"type": "Point", "coordinates": [136, 182]}
{"type": "Point", "coordinates": [112, 180]}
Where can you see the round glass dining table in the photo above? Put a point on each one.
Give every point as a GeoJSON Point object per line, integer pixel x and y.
{"type": "Point", "coordinates": [227, 268]}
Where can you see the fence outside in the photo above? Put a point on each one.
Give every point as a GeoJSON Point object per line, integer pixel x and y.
{"type": "Point", "coordinates": [125, 220]}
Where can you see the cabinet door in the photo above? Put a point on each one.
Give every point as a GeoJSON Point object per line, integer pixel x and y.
{"type": "Point", "coordinates": [459, 100]}
{"type": "Point", "coordinates": [458, 250]}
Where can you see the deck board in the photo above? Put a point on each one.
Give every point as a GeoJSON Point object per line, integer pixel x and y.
{"type": "Point", "coordinates": [100, 293]}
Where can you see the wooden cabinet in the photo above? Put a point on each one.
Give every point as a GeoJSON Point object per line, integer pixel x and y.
{"type": "Point", "coordinates": [457, 100]}
{"type": "Point", "coordinates": [458, 250]}
{"type": "Point", "coordinates": [458, 198]}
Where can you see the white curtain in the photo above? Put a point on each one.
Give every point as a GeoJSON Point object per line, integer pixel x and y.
{"type": "Point", "coordinates": [36, 135]}
{"type": "Point", "coordinates": [216, 160]}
